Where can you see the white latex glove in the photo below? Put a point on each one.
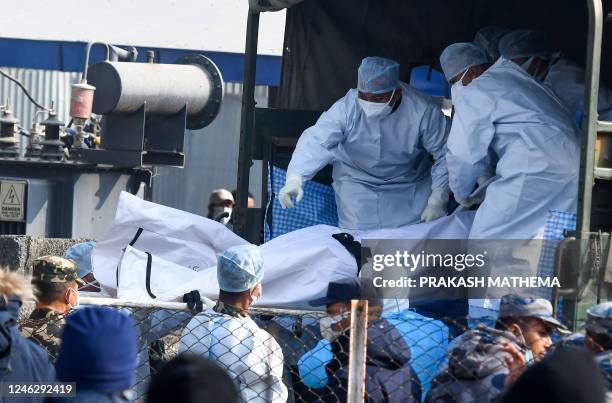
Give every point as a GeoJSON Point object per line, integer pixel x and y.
{"type": "Point", "coordinates": [436, 205]}
{"type": "Point", "coordinates": [293, 188]}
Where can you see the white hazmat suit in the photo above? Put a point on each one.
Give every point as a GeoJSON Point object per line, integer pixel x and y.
{"type": "Point", "coordinates": [382, 173]}
{"type": "Point", "coordinates": [566, 79]}
{"type": "Point", "coordinates": [505, 111]}
{"type": "Point", "coordinates": [250, 354]}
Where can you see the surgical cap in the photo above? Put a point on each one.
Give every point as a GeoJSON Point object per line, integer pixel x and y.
{"type": "Point", "coordinates": [458, 57]}
{"type": "Point", "coordinates": [81, 255]}
{"type": "Point", "coordinates": [524, 43]}
{"type": "Point", "coordinates": [240, 268]}
{"type": "Point", "coordinates": [488, 40]}
{"type": "Point", "coordinates": [377, 75]}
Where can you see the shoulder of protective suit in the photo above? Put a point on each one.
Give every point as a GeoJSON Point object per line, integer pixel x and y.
{"type": "Point", "coordinates": [414, 94]}
{"type": "Point", "coordinates": [417, 98]}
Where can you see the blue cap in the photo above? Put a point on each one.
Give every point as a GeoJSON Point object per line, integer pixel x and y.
{"type": "Point", "coordinates": [488, 38]}
{"type": "Point", "coordinates": [525, 43]}
{"type": "Point", "coordinates": [81, 255]}
{"type": "Point", "coordinates": [98, 350]}
{"type": "Point", "coordinates": [599, 318]}
{"type": "Point", "coordinates": [516, 306]}
{"type": "Point", "coordinates": [240, 268]}
{"type": "Point", "coordinates": [345, 290]}
{"type": "Point", "coordinates": [377, 75]}
{"type": "Point", "coordinates": [458, 57]}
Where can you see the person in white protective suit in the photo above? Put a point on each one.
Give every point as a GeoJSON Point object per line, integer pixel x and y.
{"type": "Point", "coordinates": [464, 62]}
{"type": "Point", "coordinates": [378, 139]}
{"type": "Point", "coordinates": [507, 113]}
{"type": "Point", "coordinates": [227, 335]}
{"type": "Point", "coordinates": [566, 78]}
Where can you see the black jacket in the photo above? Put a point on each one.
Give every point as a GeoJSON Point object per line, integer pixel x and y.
{"type": "Point", "coordinates": [21, 360]}
{"type": "Point", "coordinates": [389, 376]}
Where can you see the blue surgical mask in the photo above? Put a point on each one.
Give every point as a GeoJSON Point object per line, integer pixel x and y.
{"type": "Point", "coordinates": [528, 353]}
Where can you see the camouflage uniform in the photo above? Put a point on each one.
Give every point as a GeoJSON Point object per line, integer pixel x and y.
{"type": "Point", "coordinates": [44, 325]}
{"type": "Point", "coordinates": [230, 310]}
{"type": "Point", "coordinates": [599, 321]}
{"type": "Point", "coordinates": [477, 368]}
{"type": "Point", "coordinates": [575, 340]}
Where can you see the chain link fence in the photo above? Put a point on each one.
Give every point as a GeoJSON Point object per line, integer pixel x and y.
{"type": "Point", "coordinates": [301, 356]}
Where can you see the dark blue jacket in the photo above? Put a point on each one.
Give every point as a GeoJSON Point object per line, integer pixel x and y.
{"type": "Point", "coordinates": [21, 360]}
{"type": "Point", "coordinates": [389, 376]}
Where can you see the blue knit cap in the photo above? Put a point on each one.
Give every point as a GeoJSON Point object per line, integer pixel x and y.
{"type": "Point", "coordinates": [98, 350]}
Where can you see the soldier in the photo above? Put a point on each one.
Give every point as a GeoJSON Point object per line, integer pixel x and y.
{"type": "Point", "coordinates": [484, 361]}
{"type": "Point", "coordinates": [598, 338]}
{"type": "Point", "coordinates": [56, 285]}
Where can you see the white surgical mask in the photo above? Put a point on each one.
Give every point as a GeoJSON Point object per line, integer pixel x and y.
{"type": "Point", "coordinates": [75, 306]}
{"type": "Point", "coordinates": [326, 323]}
{"type": "Point", "coordinates": [538, 76]}
{"type": "Point", "coordinates": [255, 298]}
{"type": "Point", "coordinates": [217, 212]}
{"type": "Point", "coordinates": [374, 110]}
{"type": "Point", "coordinates": [458, 87]}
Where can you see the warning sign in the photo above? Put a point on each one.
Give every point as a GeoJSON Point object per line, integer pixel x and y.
{"type": "Point", "coordinates": [12, 207]}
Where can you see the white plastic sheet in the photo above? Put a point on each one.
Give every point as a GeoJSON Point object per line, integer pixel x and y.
{"type": "Point", "coordinates": [167, 280]}
{"type": "Point", "coordinates": [298, 265]}
{"type": "Point", "coordinates": [179, 237]}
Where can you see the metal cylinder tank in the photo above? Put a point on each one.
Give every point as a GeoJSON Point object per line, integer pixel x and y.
{"type": "Point", "coordinates": [123, 87]}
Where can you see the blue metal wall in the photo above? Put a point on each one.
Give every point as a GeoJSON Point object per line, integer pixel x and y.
{"type": "Point", "coordinates": [68, 56]}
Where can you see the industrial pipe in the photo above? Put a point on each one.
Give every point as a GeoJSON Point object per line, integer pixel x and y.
{"type": "Point", "coordinates": [164, 88]}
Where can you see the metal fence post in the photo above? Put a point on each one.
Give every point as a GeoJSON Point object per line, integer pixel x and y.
{"type": "Point", "coordinates": [247, 113]}
{"type": "Point", "coordinates": [357, 351]}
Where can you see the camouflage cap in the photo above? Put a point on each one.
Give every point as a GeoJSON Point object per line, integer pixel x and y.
{"type": "Point", "coordinates": [54, 269]}
{"type": "Point", "coordinates": [599, 318]}
{"type": "Point", "coordinates": [513, 305]}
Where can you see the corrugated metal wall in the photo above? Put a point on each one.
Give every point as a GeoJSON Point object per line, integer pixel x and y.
{"type": "Point", "coordinates": [211, 159]}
